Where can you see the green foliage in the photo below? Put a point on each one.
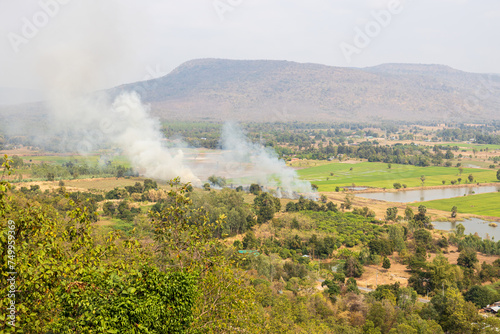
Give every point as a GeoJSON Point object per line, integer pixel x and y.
{"type": "Point", "coordinates": [386, 263]}
{"type": "Point", "coordinates": [50, 251]}
{"type": "Point", "coordinates": [16, 162]}
{"type": "Point", "coordinates": [184, 239]}
{"type": "Point", "coordinates": [75, 168]}
{"type": "Point", "coordinates": [320, 247]}
{"type": "Point", "coordinates": [381, 246]}
{"type": "Point", "coordinates": [352, 267]}
{"type": "Point", "coordinates": [72, 280]}
{"type": "Point", "coordinates": [109, 208]}
{"type": "Point", "coordinates": [305, 204]}
{"type": "Point", "coordinates": [117, 193]}
{"type": "Point", "coordinates": [421, 220]}
{"type": "Point", "coordinates": [333, 289]}
{"type": "Point", "coordinates": [454, 314]}
{"type": "Point", "coordinates": [255, 189]}
{"type": "Point", "coordinates": [441, 274]}
{"type": "Point", "coordinates": [365, 212]}
{"type": "Point", "coordinates": [409, 214]}
{"type": "Point", "coordinates": [423, 237]}
{"type": "Point", "coordinates": [137, 188]}
{"type": "Point", "coordinates": [349, 229]}
{"type": "Point", "coordinates": [391, 214]}
{"type": "Point", "coordinates": [397, 234]}
{"type": "Point", "coordinates": [348, 201]}
{"type": "Point", "coordinates": [454, 211]}
{"type": "Point", "coordinates": [125, 212]}
{"type": "Point", "coordinates": [217, 181]}
{"type": "Point", "coordinates": [266, 206]}
{"type": "Point", "coordinates": [250, 241]}
{"type": "Point", "coordinates": [227, 202]}
{"type": "Point", "coordinates": [449, 155]}
{"type": "Point", "coordinates": [149, 184]}
{"type": "Point", "coordinates": [481, 296]}
{"type": "Point", "coordinates": [352, 286]}
{"type": "Point", "coordinates": [467, 258]}
{"type": "Point", "coordinates": [146, 301]}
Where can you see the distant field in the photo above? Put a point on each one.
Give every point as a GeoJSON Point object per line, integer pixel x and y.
{"type": "Point", "coordinates": [461, 145]}
{"type": "Point", "coordinates": [476, 146]}
{"type": "Point", "coordinates": [105, 184]}
{"type": "Point", "coordinates": [89, 159]}
{"type": "Point", "coordinates": [482, 204]}
{"type": "Point", "coordinates": [375, 174]}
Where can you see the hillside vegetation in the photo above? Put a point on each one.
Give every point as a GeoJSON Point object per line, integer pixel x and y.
{"type": "Point", "coordinates": [265, 90]}
{"type": "Point", "coordinates": [283, 91]}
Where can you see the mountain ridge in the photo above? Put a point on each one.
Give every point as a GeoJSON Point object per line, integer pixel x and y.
{"type": "Point", "coordinates": [284, 91]}
{"type": "Point", "coordinates": [253, 90]}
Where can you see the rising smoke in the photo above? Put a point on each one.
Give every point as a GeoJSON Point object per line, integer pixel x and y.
{"type": "Point", "coordinates": [140, 139]}
{"type": "Point", "coordinates": [259, 165]}
{"type": "Point", "coordinates": [86, 43]}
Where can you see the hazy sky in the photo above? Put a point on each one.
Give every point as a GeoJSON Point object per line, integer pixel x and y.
{"type": "Point", "coordinates": [108, 42]}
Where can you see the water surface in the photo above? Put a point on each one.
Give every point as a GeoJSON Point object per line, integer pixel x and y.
{"type": "Point", "coordinates": [421, 195]}
{"type": "Point", "coordinates": [355, 188]}
{"type": "Point", "coordinates": [472, 226]}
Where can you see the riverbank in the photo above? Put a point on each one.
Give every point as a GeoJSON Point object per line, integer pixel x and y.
{"type": "Point", "coordinates": [450, 186]}
{"type": "Point", "coordinates": [480, 205]}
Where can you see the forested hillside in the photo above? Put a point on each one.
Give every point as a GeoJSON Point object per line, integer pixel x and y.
{"type": "Point", "coordinates": [266, 90]}
{"type": "Point", "coordinates": [185, 260]}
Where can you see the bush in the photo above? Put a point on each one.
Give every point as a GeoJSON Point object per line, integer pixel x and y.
{"type": "Point", "coordinates": [217, 181]}
{"type": "Point", "coordinates": [352, 267]}
{"type": "Point", "coordinates": [128, 303]}
{"type": "Point", "coordinates": [109, 209]}
{"type": "Point", "coordinates": [481, 296]}
{"type": "Point", "coordinates": [255, 189]}
{"type": "Point", "coordinates": [117, 193]}
{"type": "Point", "coordinates": [386, 264]}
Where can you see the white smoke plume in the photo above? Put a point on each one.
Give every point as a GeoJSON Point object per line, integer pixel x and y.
{"type": "Point", "coordinates": [92, 121]}
{"type": "Point", "coordinates": [85, 45]}
{"type": "Point", "coordinates": [140, 139]}
{"type": "Point", "coordinates": [259, 165]}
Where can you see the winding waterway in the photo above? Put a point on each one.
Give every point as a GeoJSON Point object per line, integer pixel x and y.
{"type": "Point", "coordinates": [472, 226]}
{"type": "Point", "coordinates": [420, 195]}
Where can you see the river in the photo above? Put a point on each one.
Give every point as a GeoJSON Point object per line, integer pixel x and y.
{"type": "Point", "coordinates": [420, 195]}
{"type": "Point", "coordinates": [472, 225]}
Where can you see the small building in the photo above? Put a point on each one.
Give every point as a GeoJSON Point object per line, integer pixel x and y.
{"type": "Point", "coordinates": [249, 251]}
{"type": "Point", "coordinates": [493, 308]}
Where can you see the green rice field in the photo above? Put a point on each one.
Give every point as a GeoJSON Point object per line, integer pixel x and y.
{"type": "Point", "coordinates": [378, 175]}
{"type": "Point", "coordinates": [490, 147]}
{"type": "Point", "coordinates": [482, 204]}
{"type": "Point", "coordinates": [89, 159]}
